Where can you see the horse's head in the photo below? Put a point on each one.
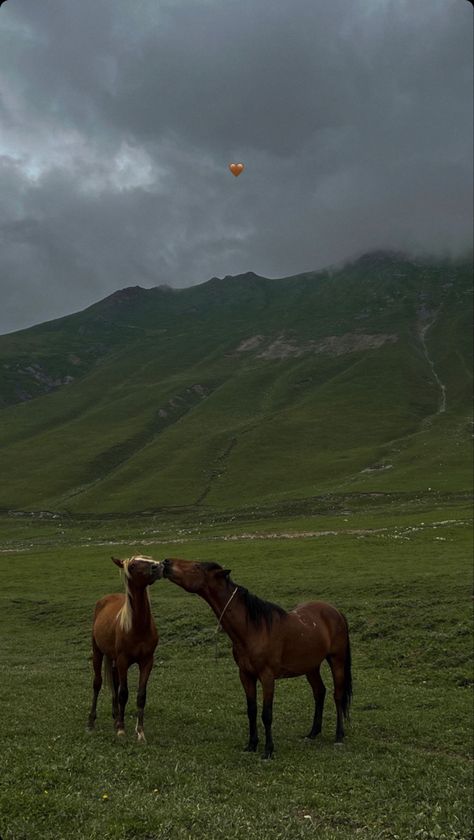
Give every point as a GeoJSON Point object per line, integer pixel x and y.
{"type": "Point", "coordinates": [142, 571]}
{"type": "Point", "coordinates": [195, 577]}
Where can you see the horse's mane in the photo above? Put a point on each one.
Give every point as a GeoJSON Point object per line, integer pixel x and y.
{"type": "Point", "coordinates": [124, 614]}
{"type": "Point", "coordinates": [258, 610]}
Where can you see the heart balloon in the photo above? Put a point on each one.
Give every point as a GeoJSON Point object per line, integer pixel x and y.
{"type": "Point", "coordinates": [236, 168]}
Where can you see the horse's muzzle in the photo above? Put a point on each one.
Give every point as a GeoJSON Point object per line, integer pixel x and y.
{"type": "Point", "coordinates": [167, 566]}
{"type": "Point", "coordinates": [157, 571]}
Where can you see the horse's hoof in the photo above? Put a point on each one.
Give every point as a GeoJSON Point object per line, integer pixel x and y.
{"type": "Point", "coordinates": [250, 748]}
{"type": "Point", "coordinates": [89, 729]}
{"type": "Point", "coordinates": [267, 756]}
{"type": "Point", "coordinates": [338, 743]}
{"type": "Point", "coordinates": [120, 733]}
{"type": "Point", "coordinates": [141, 737]}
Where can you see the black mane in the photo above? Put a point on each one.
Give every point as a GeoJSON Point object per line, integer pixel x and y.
{"type": "Point", "coordinates": [258, 610]}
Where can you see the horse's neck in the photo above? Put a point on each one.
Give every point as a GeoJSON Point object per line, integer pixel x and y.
{"type": "Point", "coordinates": [140, 606]}
{"type": "Point", "coordinates": [229, 610]}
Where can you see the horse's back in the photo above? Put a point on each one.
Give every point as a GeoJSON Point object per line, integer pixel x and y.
{"type": "Point", "coordinates": [324, 621]}
{"type": "Point", "coordinates": [322, 610]}
{"type": "Point", "coordinates": [105, 617]}
{"type": "Point", "coordinates": [109, 603]}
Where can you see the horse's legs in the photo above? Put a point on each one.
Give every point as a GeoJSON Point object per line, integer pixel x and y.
{"type": "Point", "coordinates": [97, 657]}
{"type": "Point", "coordinates": [114, 688]}
{"type": "Point", "coordinates": [249, 684]}
{"type": "Point", "coordinates": [319, 693]}
{"type": "Point", "coordinates": [336, 663]}
{"type": "Point", "coordinates": [268, 686]}
{"type": "Point", "coordinates": [145, 670]}
{"type": "Point", "coordinates": [122, 668]}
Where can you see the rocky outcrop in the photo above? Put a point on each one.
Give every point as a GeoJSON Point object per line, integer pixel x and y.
{"type": "Point", "coordinates": [285, 347]}
{"type": "Point", "coordinates": [31, 380]}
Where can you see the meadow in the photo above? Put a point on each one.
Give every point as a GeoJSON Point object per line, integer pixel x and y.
{"type": "Point", "coordinates": [402, 576]}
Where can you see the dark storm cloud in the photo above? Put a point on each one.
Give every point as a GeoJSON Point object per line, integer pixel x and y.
{"type": "Point", "coordinates": [118, 120]}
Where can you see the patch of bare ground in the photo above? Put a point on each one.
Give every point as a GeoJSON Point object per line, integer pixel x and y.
{"type": "Point", "coordinates": [252, 343]}
{"type": "Point", "coordinates": [285, 347]}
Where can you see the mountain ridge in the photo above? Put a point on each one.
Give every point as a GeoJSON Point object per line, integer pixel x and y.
{"type": "Point", "coordinates": [244, 389]}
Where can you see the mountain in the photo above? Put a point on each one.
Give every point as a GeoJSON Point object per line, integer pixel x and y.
{"type": "Point", "coordinates": [244, 391]}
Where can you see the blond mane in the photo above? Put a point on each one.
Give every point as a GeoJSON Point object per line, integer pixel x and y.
{"type": "Point", "coordinates": [125, 613]}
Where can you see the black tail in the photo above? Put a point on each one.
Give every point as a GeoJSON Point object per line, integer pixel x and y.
{"type": "Point", "coordinates": [347, 696]}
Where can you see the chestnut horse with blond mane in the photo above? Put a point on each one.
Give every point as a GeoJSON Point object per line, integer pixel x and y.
{"type": "Point", "coordinates": [125, 633]}
{"type": "Point", "coordinates": [269, 643]}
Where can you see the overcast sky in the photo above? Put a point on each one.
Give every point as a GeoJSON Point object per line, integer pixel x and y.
{"type": "Point", "coordinates": [118, 119]}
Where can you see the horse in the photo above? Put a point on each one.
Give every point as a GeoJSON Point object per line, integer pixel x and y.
{"type": "Point", "coordinates": [269, 643]}
{"type": "Point", "coordinates": [124, 633]}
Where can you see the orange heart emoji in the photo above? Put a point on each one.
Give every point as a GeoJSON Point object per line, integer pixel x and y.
{"type": "Point", "coordinates": [236, 168]}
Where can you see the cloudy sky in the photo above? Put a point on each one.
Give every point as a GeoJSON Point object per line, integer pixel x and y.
{"type": "Point", "coordinates": [118, 119]}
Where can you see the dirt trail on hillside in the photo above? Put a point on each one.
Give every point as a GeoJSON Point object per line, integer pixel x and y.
{"type": "Point", "coordinates": [442, 387]}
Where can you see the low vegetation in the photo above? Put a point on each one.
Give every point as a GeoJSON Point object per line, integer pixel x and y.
{"type": "Point", "coordinates": [314, 435]}
{"type": "Point", "coordinates": [403, 577]}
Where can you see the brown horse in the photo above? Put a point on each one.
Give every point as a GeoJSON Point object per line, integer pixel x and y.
{"type": "Point", "coordinates": [269, 643]}
{"type": "Point", "coordinates": [123, 633]}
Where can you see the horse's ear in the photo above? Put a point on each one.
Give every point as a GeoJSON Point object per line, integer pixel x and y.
{"type": "Point", "coordinates": [117, 562]}
{"type": "Point", "coordinates": [225, 573]}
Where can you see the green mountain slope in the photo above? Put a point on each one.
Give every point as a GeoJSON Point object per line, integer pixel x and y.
{"type": "Point", "coordinates": [244, 391]}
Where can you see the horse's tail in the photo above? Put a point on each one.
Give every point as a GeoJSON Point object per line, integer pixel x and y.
{"type": "Point", "coordinates": [108, 674]}
{"type": "Point", "coordinates": [347, 695]}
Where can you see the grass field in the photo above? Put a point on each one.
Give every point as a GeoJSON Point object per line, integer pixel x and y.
{"type": "Point", "coordinates": [403, 577]}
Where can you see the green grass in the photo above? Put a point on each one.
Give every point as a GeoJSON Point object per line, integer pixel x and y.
{"type": "Point", "coordinates": [316, 476]}
{"type": "Point", "coordinates": [405, 770]}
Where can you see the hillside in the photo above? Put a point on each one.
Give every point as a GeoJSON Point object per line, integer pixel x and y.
{"type": "Point", "coordinates": [244, 391]}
